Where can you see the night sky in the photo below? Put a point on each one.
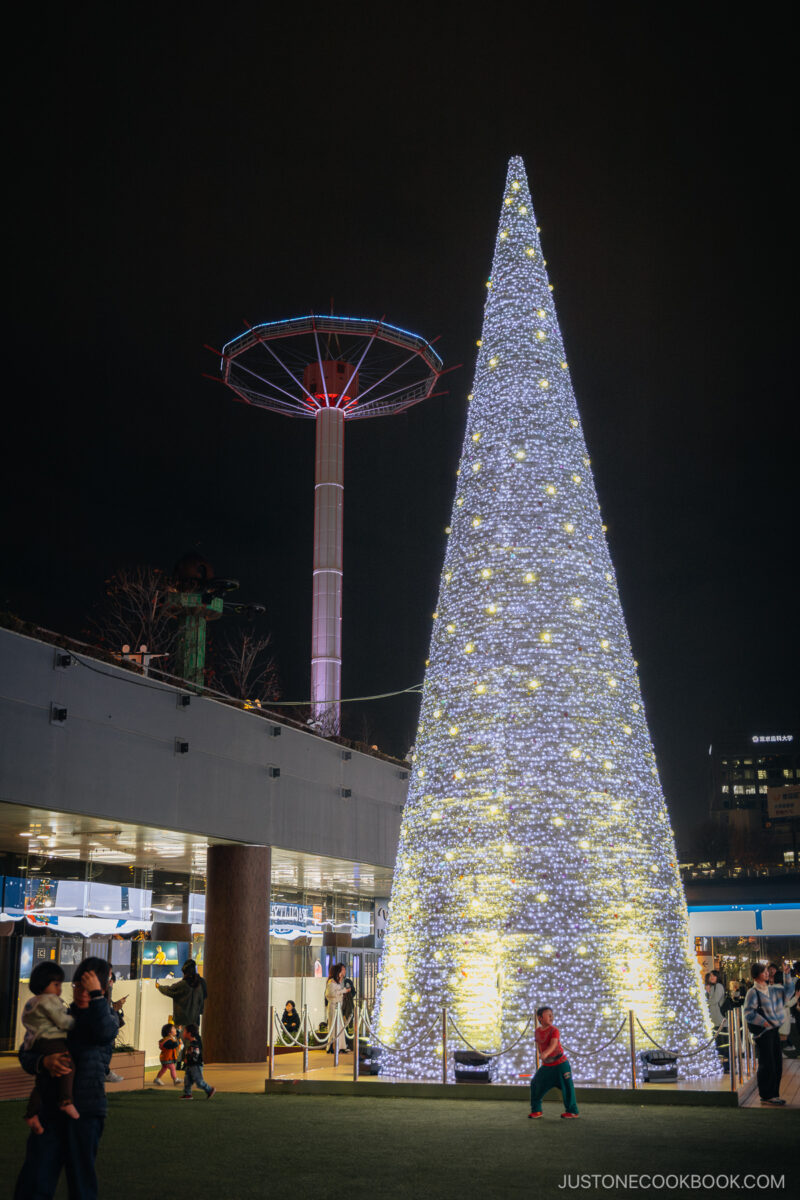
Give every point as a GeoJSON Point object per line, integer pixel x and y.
{"type": "Point", "coordinates": [177, 171]}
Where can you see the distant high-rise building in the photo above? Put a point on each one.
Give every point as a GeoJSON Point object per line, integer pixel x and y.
{"type": "Point", "coordinates": [744, 769]}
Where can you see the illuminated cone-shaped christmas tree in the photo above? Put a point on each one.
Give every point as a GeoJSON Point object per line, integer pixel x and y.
{"type": "Point", "coordinates": [536, 861]}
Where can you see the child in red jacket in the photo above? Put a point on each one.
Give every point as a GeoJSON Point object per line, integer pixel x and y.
{"type": "Point", "coordinates": [168, 1054]}
{"type": "Point", "coordinates": [555, 1070]}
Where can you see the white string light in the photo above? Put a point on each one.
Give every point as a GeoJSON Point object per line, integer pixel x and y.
{"type": "Point", "coordinates": [536, 861]}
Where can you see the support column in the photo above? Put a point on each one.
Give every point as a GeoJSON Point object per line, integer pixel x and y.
{"type": "Point", "coordinates": [326, 614]}
{"type": "Point", "coordinates": [236, 956]}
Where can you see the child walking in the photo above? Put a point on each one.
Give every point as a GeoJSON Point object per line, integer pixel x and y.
{"type": "Point", "coordinates": [554, 1071]}
{"type": "Point", "coordinates": [168, 1049]}
{"type": "Point", "coordinates": [193, 1058]}
{"type": "Point", "coordinates": [47, 1021]}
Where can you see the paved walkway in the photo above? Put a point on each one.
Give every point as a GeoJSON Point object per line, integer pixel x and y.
{"type": "Point", "coordinates": [250, 1077]}
{"type": "Point", "coordinates": [790, 1086]}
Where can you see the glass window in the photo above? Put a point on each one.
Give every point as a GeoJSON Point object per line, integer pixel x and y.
{"type": "Point", "coordinates": [762, 774]}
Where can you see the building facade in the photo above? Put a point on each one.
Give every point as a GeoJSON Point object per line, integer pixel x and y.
{"type": "Point", "coordinates": [148, 824]}
{"type": "Point", "coordinates": [746, 772]}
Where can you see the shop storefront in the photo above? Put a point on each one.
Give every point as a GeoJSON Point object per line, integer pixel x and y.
{"type": "Point", "coordinates": [148, 922]}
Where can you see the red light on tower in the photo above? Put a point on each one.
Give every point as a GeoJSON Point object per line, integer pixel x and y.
{"type": "Point", "coordinates": [332, 384]}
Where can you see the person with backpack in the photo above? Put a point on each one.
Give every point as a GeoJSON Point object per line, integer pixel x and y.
{"type": "Point", "coordinates": [763, 1011]}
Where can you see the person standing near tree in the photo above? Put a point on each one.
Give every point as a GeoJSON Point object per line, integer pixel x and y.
{"type": "Point", "coordinates": [554, 1070]}
{"type": "Point", "coordinates": [715, 995]}
{"type": "Point", "coordinates": [335, 991]}
{"type": "Point", "coordinates": [763, 1011]}
{"type": "Point", "coordinates": [64, 1143]}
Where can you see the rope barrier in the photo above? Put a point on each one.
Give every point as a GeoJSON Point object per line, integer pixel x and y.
{"type": "Point", "coordinates": [680, 1053]}
{"type": "Point", "coordinates": [396, 1049]}
{"type": "Point", "coordinates": [288, 1039]}
{"type": "Point", "coordinates": [603, 1045]}
{"type": "Point", "coordinates": [366, 1029]}
{"type": "Point", "coordinates": [496, 1053]}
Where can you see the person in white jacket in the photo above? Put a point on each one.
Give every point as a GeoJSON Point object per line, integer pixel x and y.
{"type": "Point", "coordinates": [334, 994]}
{"type": "Point", "coordinates": [715, 995]}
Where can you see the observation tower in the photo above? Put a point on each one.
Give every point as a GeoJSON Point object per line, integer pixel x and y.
{"type": "Point", "coordinates": [330, 370]}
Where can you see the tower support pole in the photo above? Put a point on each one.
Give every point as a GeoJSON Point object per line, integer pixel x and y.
{"type": "Point", "coordinates": [326, 610]}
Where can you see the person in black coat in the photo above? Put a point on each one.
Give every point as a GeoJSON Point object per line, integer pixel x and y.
{"type": "Point", "coordinates": [63, 1142]}
{"type": "Point", "coordinates": [290, 1018]}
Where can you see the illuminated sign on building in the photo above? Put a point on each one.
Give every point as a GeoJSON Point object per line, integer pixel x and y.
{"type": "Point", "coordinates": [774, 737]}
{"type": "Point", "coordinates": [783, 803]}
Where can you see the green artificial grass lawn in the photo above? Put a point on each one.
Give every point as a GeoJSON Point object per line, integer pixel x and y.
{"type": "Point", "coordinates": [298, 1147]}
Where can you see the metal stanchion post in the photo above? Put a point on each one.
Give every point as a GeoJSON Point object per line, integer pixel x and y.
{"type": "Point", "coordinates": [355, 1042]}
{"type": "Point", "coordinates": [739, 1059]}
{"type": "Point", "coordinates": [305, 1039]}
{"type": "Point", "coordinates": [271, 1041]}
{"type": "Point", "coordinates": [632, 1030]}
{"type": "Point", "coordinates": [732, 1051]}
{"type": "Point", "coordinates": [536, 1045]}
{"type": "Point", "coordinates": [337, 1016]}
{"type": "Point", "coordinates": [444, 1045]}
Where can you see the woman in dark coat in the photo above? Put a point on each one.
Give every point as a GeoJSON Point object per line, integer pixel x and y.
{"type": "Point", "coordinates": [290, 1018]}
{"type": "Point", "coordinates": [189, 995]}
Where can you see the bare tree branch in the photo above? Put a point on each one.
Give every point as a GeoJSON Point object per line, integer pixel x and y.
{"type": "Point", "coordinates": [244, 670]}
{"type": "Point", "coordinates": [133, 612]}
